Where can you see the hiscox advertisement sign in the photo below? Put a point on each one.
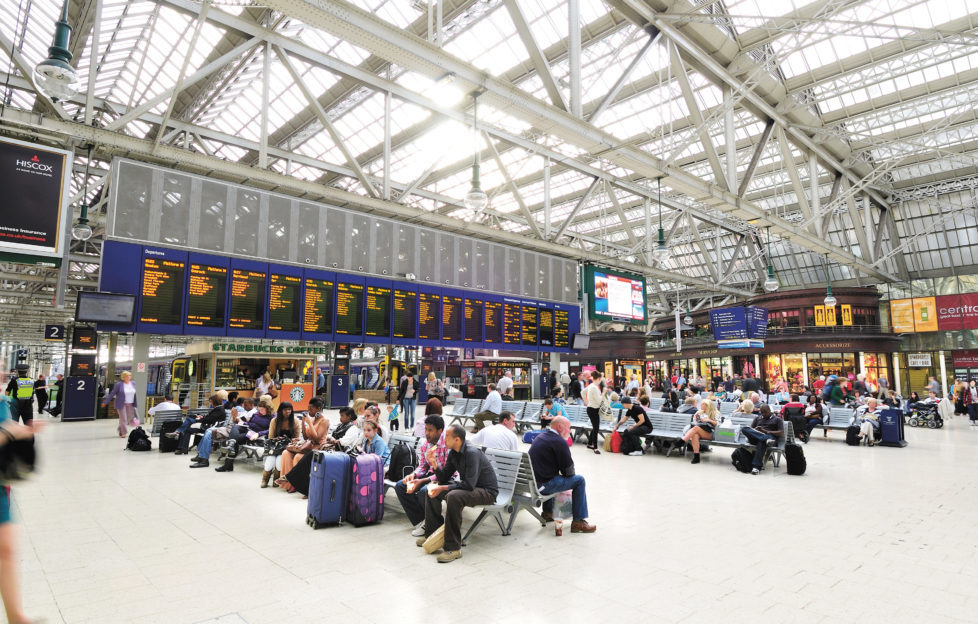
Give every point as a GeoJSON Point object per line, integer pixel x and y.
{"type": "Point", "coordinates": [33, 216]}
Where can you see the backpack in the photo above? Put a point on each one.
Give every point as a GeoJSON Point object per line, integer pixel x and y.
{"type": "Point", "coordinates": [795, 458]}
{"type": "Point", "coordinates": [403, 460]}
{"type": "Point", "coordinates": [138, 440]}
{"type": "Point", "coordinates": [742, 459]}
{"type": "Point", "coordinates": [852, 435]}
{"type": "Point", "coordinates": [826, 392]}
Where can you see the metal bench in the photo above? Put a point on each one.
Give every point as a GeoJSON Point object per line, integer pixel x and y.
{"type": "Point", "coordinates": [728, 407]}
{"type": "Point", "coordinates": [516, 407]}
{"type": "Point", "coordinates": [838, 418]}
{"type": "Point", "coordinates": [507, 467]}
{"type": "Point", "coordinates": [656, 404]}
{"type": "Point", "coordinates": [409, 440]}
{"type": "Point", "coordinates": [163, 416]}
{"type": "Point", "coordinates": [526, 494]}
{"type": "Point", "coordinates": [529, 418]}
{"type": "Point", "coordinates": [464, 409]}
{"type": "Point", "coordinates": [667, 431]}
{"type": "Point", "coordinates": [773, 452]}
{"type": "Point", "coordinates": [579, 422]}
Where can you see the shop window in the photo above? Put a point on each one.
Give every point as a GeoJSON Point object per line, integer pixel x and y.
{"type": "Point", "coordinates": [864, 316]}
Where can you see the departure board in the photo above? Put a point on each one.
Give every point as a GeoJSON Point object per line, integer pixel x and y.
{"type": "Point", "coordinates": [284, 306]}
{"type": "Point", "coordinates": [378, 312]}
{"type": "Point", "coordinates": [429, 322]}
{"type": "Point", "coordinates": [473, 320]}
{"type": "Point", "coordinates": [451, 318]}
{"type": "Point", "coordinates": [162, 291]}
{"type": "Point", "coordinates": [511, 324]}
{"type": "Point", "coordinates": [546, 327]}
{"type": "Point", "coordinates": [494, 322]}
{"type": "Point", "coordinates": [206, 295]}
{"type": "Point", "coordinates": [529, 326]}
{"type": "Point", "coordinates": [405, 314]}
{"type": "Point", "coordinates": [561, 329]}
{"type": "Point", "coordinates": [349, 309]}
{"type": "Point", "coordinates": [247, 299]}
{"type": "Point", "coordinates": [317, 315]}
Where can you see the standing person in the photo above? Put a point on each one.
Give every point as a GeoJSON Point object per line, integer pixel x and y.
{"type": "Point", "coordinates": [505, 386]}
{"type": "Point", "coordinates": [124, 394]}
{"type": "Point", "coordinates": [59, 396]}
{"type": "Point", "coordinates": [41, 392]}
{"type": "Point", "coordinates": [266, 385]}
{"type": "Point", "coordinates": [21, 389]}
{"type": "Point", "coordinates": [9, 580]}
{"type": "Point", "coordinates": [574, 392]}
{"type": "Point", "coordinates": [934, 386]}
{"type": "Point", "coordinates": [407, 396]}
{"type": "Point", "coordinates": [593, 398]}
{"type": "Point", "coordinates": [565, 381]}
{"type": "Point", "coordinates": [435, 387]}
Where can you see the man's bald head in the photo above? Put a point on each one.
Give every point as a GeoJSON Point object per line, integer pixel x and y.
{"type": "Point", "coordinates": [561, 425]}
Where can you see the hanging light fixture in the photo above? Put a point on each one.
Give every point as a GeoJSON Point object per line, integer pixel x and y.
{"type": "Point", "coordinates": [81, 230]}
{"type": "Point", "coordinates": [771, 283]}
{"type": "Point", "coordinates": [661, 251]}
{"type": "Point", "coordinates": [476, 199]}
{"type": "Point", "coordinates": [830, 301]}
{"type": "Point", "coordinates": [54, 77]}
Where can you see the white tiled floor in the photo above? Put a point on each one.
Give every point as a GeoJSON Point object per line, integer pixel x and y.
{"type": "Point", "coordinates": [868, 535]}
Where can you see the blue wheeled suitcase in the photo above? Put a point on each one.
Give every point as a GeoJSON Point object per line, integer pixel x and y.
{"type": "Point", "coordinates": [366, 490]}
{"type": "Point", "coordinates": [329, 488]}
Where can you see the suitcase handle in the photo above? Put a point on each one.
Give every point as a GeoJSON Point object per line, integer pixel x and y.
{"type": "Point", "coordinates": [332, 491]}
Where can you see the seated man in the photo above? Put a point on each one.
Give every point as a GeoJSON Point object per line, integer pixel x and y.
{"type": "Point", "coordinates": [766, 428]}
{"type": "Point", "coordinates": [794, 412]}
{"type": "Point", "coordinates": [412, 490]}
{"type": "Point", "coordinates": [553, 468]}
{"type": "Point", "coordinates": [688, 407]}
{"type": "Point", "coordinates": [500, 435]}
{"type": "Point", "coordinates": [166, 405]}
{"type": "Point", "coordinates": [204, 421]}
{"type": "Point", "coordinates": [257, 427]}
{"type": "Point", "coordinates": [491, 408]}
{"type": "Point", "coordinates": [476, 486]}
{"type": "Point", "coordinates": [550, 409]}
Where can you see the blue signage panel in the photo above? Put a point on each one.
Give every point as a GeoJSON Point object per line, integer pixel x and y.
{"type": "Point", "coordinates": [350, 295]}
{"type": "Point", "coordinates": [162, 290]}
{"type": "Point", "coordinates": [377, 310]}
{"type": "Point", "coordinates": [317, 305]}
{"type": "Point", "coordinates": [729, 323]}
{"type": "Point", "coordinates": [452, 318]}
{"type": "Point", "coordinates": [206, 306]}
{"type": "Point", "coordinates": [246, 298]}
{"type": "Point", "coordinates": [493, 321]}
{"type": "Point", "coordinates": [429, 316]}
{"type": "Point", "coordinates": [284, 302]}
{"type": "Point", "coordinates": [404, 314]}
{"type": "Point", "coordinates": [120, 274]}
{"type": "Point", "coordinates": [757, 322]}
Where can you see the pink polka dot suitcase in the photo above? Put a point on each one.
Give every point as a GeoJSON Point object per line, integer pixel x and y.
{"type": "Point", "coordinates": [366, 504]}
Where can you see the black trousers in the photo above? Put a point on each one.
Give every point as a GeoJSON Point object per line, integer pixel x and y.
{"type": "Point", "coordinates": [299, 475]}
{"type": "Point", "coordinates": [25, 409]}
{"type": "Point", "coordinates": [595, 416]}
{"type": "Point", "coordinates": [42, 400]}
{"type": "Point", "coordinates": [631, 440]}
{"type": "Point", "coordinates": [455, 500]}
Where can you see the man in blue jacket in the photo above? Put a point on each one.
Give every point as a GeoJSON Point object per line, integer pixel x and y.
{"type": "Point", "coordinates": [553, 468]}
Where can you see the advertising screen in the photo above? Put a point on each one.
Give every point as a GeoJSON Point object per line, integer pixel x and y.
{"type": "Point", "coordinates": [349, 308]}
{"type": "Point", "coordinates": [494, 322]}
{"type": "Point", "coordinates": [615, 295]}
{"type": "Point", "coordinates": [207, 295]}
{"type": "Point", "coordinates": [34, 179]}
{"type": "Point", "coordinates": [451, 318]}
{"type": "Point", "coordinates": [104, 307]}
{"type": "Point", "coordinates": [247, 299]}
{"type": "Point", "coordinates": [429, 319]}
{"type": "Point", "coordinates": [378, 312]}
{"type": "Point", "coordinates": [318, 308]}
{"type": "Point", "coordinates": [405, 314]}
{"type": "Point", "coordinates": [162, 291]}
{"type": "Point", "coordinates": [284, 303]}
{"type": "Point", "coordinates": [473, 320]}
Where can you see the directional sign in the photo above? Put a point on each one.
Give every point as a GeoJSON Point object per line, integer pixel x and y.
{"type": "Point", "coordinates": [54, 332]}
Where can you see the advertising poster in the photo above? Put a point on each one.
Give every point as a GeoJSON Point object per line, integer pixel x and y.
{"type": "Point", "coordinates": [847, 315]}
{"type": "Point", "coordinates": [925, 314]}
{"type": "Point", "coordinates": [830, 316]}
{"type": "Point", "coordinates": [901, 316]}
{"type": "Point", "coordinates": [957, 312]}
{"type": "Point", "coordinates": [819, 316]}
{"type": "Point", "coordinates": [33, 216]}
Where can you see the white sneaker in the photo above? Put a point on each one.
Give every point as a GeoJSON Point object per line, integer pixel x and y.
{"type": "Point", "coordinates": [636, 454]}
{"type": "Point", "coordinates": [755, 471]}
{"type": "Point", "coordinates": [418, 530]}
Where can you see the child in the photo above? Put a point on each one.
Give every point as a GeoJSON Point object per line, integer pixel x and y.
{"type": "Point", "coordinates": [392, 414]}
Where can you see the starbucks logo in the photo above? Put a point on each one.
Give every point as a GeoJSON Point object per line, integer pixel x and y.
{"type": "Point", "coordinates": [297, 394]}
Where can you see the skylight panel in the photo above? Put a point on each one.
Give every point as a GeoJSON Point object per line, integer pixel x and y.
{"type": "Point", "coordinates": [491, 44]}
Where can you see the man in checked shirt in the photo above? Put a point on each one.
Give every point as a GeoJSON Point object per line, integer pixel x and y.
{"type": "Point", "coordinates": [433, 455]}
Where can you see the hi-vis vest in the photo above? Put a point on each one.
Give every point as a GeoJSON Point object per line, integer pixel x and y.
{"type": "Point", "coordinates": [25, 388]}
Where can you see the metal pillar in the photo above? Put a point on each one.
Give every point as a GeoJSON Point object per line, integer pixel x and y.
{"type": "Point", "coordinates": [574, 56]}
{"type": "Point", "coordinates": [546, 198]}
{"type": "Point", "coordinates": [110, 364]}
{"type": "Point", "coordinates": [804, 368]}
{"type": "Point", "coordinates": [897, 382]}
{"type": "Point", "coordinates": [940, 354]}
{"type": "Point", "coordinates": [140, 367]}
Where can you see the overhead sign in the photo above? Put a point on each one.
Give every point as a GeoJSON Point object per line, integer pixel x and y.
{"type": "Point", "coordinates": [918, 360]}
{"type": "Point", "coordinates": [84, 339]}
{"type": "Point", "coordinates": [54, 332]}
{"type": "Point", "coordinates": [757, 322]}
{"type": "Point", "coordinates": [730, 323]}
{"type": "Point", "coordinates": [34, 179]}
{"type": "Point", "coordinates": [740, 344]}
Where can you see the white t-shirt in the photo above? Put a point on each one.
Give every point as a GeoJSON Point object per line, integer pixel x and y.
{"type": "Point", "coordinates": [497, 437]}
{"type": "Point", "coordinates": [165, 406]}
{"type": "Point", "coordinates": [593, 395]}
{"type": "Point", "coordinates": [129, 391]}
{"type": "Point", "coordinates": [505, 385]}
{"type": "Point", "coordinates": [493, 403]}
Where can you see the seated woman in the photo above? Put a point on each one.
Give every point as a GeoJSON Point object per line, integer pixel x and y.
{"type": "Point", "coordinates": [814, 413]}
{"type": "Point", "coordinates": [615, 401]}
{"type": "Point", "coordinates": [550, 411]}
{"type": "Point", "coordinates": [631, 443]}
{"type": "Point", "coordinates": [704, 424]}
{"type": "Point", "coordinates": [255, 428]}
{"type": "Point", "coordinates": [671, 404]}
{"type": "Point", "coordinates": [284, 426]}
{"type": "Point", "coordinates": [891, 400]}
{"type": "Point", "coordinates": [373, 442]}
{"type": "Point", "coordinates": [204, 421]}
{"type": "Point", "coordinates": [867, 417]}
{"type": "Point", "coordinates": [746, 408]}
{"type": "Point", "coordinates": [432, 408]}
{"type": "Point", "coordinates": [558, 396]}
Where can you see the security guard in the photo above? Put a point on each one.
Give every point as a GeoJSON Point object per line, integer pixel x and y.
{"type": "Point", "coordinates": [21, 389]}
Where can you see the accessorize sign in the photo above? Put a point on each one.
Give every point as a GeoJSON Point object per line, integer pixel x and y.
{"type": "Point", "coordinates": [34, 179]}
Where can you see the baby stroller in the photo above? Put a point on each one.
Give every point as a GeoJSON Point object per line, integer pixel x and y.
{"type": "Point", "coordinates": [925, 415]}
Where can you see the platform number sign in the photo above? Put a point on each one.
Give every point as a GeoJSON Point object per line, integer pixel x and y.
{"type": "Point", "coordinates": [54, 332]}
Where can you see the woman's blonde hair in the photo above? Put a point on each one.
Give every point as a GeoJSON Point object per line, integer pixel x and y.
{"type": "Point", "coordinates": [266, 376]}
{"type": "Point", "coordinates": [125, 374]}
{"type": "Point", "coordinates": [709, 409]}
{"type": "Point", "coordinates": [747, 407]}
{"type": "Point", "coordinates": [267, 404]}
{"type": "Point", "coordinates": [358, 405]}
{"type": "Point", "coordinates": [432, 376]}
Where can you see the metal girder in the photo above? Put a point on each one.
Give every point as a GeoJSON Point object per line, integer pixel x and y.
{"type": "Point", "coordinates": [580, 204]}
{"type": "Point", "coordinates": [178, 87]}
{"type": "Point", "coordinates": [710, 266]}
{"type": "Point", "coordinates": [516, 191]}
{"type": "Point", "coordinates": [536, 54]}
{"type": "Point", "coordinates": [609, 97]}
{"type": "Point", "coordinates": [756, 157]}
{"type": "Point", "coordinates": [621, 215]}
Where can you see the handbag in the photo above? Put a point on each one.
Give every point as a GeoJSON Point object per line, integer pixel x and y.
{"type": "Point", "coordinates": [705, 426]}
{"type": "Point", "coordinates": [272, 391]}
{"type": "Point", "coordinates": [275, 446]}
{"type": "Point", "coordinates": [615, 442]}
{"type": "Point", "coordinates": [133, 422]}
{"type": "Point", "coordinates": [606, 446]}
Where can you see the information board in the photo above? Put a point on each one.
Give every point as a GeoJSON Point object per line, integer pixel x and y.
{"type": "Point", "coordinates": [207, 295]}
{"type": "Point", "coordinates": [284, 302]}
{"type": "Point", "coordinates": [511, 324]}
{"type": "Point", "coordinates": [451, 318]}
{"type": "Point", "coordinates": [473, 320]}
{"type": "Point", "coordinates": [493, 322]}
{"type": "Point", "coordinates": [84, 339]}
{"type": "Point", "coordinates": [561, 329]}
{"type": "Point", "coordinates": [429, 320]}
{"type": "Point", "coordinates": [247, 299]}
{"type": "Point", "coordinates": [162, 291]}
{"type": "Point", "coordinates": [317, 314]}
{"type": "Point", "coordinates": [378, 312]}
{"type": "Point", "coordinates": [82, 364]}
{"type": "Point", "coordinates": [405, 314]}
{"type": "Point", "coordinates": [729, 323]}
{"type": "Point", "coordinates": [349, 309]}
{"type": "Point", "coordinates": [546, 327]}
{"type": "Point", "coordinates": [529, 326]}
{"type": "Point", "coordinates": [757, 322]}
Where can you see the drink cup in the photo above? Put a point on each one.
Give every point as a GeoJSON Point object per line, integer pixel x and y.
{"type": "Point", "coordinates": [559, 527]}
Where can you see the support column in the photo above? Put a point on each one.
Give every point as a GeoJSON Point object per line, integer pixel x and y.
{"type": "Point", "coordinates": [757, 366]}
{"type": "Point", "coordinates": [940, 355]}
{"type": "Point", "coordinates": [804, 369]}
{"type": "Point", "coordinates": [110, 364]}
{"type": "Point", "coordinates": [140, 369]}
{"type": "Point", "coordinates": [897, 383]}
{"type": "Point", "coordinates": [574, 57]}
{"type": "Point", "coordinates": [862, 363]}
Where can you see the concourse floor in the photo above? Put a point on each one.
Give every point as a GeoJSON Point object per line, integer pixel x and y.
{"type": "Point", "coordinates": [867, 535]}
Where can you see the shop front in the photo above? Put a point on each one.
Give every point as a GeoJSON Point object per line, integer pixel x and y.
{"type": "Point", "coordinates": [656, 371]}
{"type": "Point", "coordinates": [965, 363]}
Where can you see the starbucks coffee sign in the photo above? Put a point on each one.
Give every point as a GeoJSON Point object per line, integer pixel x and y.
{"type": "Point", "coordinates": [254, 348]}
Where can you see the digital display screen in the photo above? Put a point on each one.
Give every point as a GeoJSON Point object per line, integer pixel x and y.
{"type": "Point", "coordinates": [318, 306]}
{"type": "Point", "coordinates": [511, 324]}
{"type": "Point", "coordinates": [546, 327]}
{"type": "Point", "coordinates": [162, 291]}
{"type": "Point", "coordinates": [84, 338]}
{"type": "Point", "coordinates": [561, 329]}
{"type": "Point", "coordinates": [104, 307]}
{"type": "Point", "coordinates": [529, 326]}
{"type": "Point", "coordinates": [82, 365]}
{"type": "Point", "coordinates": [378, 312]}
{"type": "Point", "coordinates": [284, 292]}
{"type": "Point", "coordinates": [206, 295]}
{"type": "Point", "coordinates": [247, 299]}
{"type": "Point", "coordinates": [494, 321]}
{"type": "Point", "coordinates": [473, 320]}
{"type": "Point", "coordinates": [349, 308]}
{"type": "Point", "coordinates": [451, 318]}
{"type": "Point", "coordinates": [617, 296]}
{"type": "Point", "coordinates": [405, 314]}
{"type": "Point", "coordinates": [429, 322]}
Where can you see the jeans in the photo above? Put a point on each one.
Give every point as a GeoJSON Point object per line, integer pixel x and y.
{"type": "Point", "coordinates": [204, 446]}
{"type": "Point", "coordinates": [595, 415]}
{"type": "Point", "coordinates": [407, 406]}
{"type": "Point", "coordinates": [455, 501]}
{"type": "Point", "coordinates": [183, 442]}
{"type": "Point", "coordinates": [413, 504]}
{"type": "Point", "coordinates": [562, 484]}
{"type": "Point", "coordinates": [760, 440]}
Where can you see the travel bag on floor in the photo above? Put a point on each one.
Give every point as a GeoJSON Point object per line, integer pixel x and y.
{"type": "Point", "coordinates": [742, 459]}
{"type": "Point", "coordinates": [329, 488]}
{"type": "Point", "coordinates": [366, 490]}
{"type": "Point", "coordinates": [168, 445]}
{"type": "Point", "coordinates": [794, 456]}
{"type": "Point", "coordinates": [852, 435]}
